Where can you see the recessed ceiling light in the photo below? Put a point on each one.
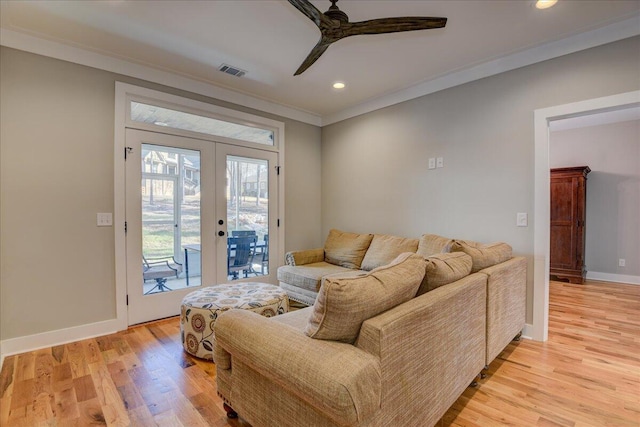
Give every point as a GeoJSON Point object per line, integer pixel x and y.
{"type": "Point", "coordinates": [339, 85]}
{"type": "Point", "coordinates": [545, 4]}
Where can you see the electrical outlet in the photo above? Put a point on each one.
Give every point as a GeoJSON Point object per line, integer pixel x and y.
{"type": "Point", "coordinates": [432, 163]}
{"type": "Point", "coordinates": [522, 219]}
{"type": "Point", "coordinates": [105, 220]}
{"type": "Point", "coordinates": [622, 262]}
{"type": "Point", "coordinates": [439, 162]}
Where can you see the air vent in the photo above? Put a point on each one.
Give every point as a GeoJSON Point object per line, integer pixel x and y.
{"type": "Point", "coordinates": [234, 71]}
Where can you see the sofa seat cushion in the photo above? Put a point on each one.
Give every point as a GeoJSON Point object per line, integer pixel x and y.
{"type": "Point", "coordinates": [346, 249]}
{"type": "Point", "coordinates": [308, 276]}
{"type": "Point", "coordinates": [443, 269]}
{"type": "Point", "coordinates": [483, 255]}
{"type": "Point", "coordinates": [297, 319]}
{"type": "Point", "coordinates": [385, 248]}
{"type": "Point", "coordinates": [431, 244]}
{"type": "Point", "coordinates": [343, 304]}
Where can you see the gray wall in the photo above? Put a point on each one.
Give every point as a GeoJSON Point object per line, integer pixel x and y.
{"type": "Point", "coordinates": [56, 173]}
{"type": "Point", "coordinates": [612, 152]}
{"type": "Point", "coordinates": [374, 167]}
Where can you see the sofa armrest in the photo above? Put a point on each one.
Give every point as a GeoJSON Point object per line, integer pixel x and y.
{"type": "Point", "coordinates": [308, 256]}
{"type": "Point", "coordinates": [506, 303]}
{"type": "Point", "coordinates": [430, 348]}
{"type": "Point", "coordinates": [338, 379]}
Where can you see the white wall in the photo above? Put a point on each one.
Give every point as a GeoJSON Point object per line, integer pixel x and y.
{"type": "Point", "coordinates": [612, 152]}
{"type": "Point", "coordinates": [375, 176]}
{"type": "Point", "coordinates": [56, 173]}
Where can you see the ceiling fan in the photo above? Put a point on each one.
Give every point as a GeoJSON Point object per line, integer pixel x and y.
{"type": "Point", "coordinates": [334, 25]}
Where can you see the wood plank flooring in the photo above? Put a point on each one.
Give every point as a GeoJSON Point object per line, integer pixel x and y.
{"type": "Point", "coordinates": [587, 374]}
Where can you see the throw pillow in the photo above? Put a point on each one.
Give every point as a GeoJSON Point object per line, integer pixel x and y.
{"type": "Point", "coordinates": [443, 269]}
{"type": "Point", "coordinates": [483, 256]}
{"type": "Point", "coordinates": [343, 304]}
{"type": "Point", "coordinates": [431, 244]}
{"type": "Point", "coordinates": [346, 249]}
{"type": "Point", "coordinates": [385, 248]}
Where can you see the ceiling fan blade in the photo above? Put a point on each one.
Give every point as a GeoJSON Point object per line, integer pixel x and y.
{"type": "Point", "coordinates": [311, 12]}
{"type": "Point", "coordinates": [313, 56]}
{"type": "Point", "coordinates": [393, 25]}
{"type": "Point", "coordinates": [334, 25]}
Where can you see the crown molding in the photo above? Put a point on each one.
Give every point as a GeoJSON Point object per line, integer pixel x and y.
{"type": "Point", "coordinates": [611, 33]}
{"type": "Point", "coordinates": [28, 43]}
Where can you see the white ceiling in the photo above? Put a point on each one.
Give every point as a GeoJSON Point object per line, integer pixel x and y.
{"type": "Point", "coordinates": [270, 39]}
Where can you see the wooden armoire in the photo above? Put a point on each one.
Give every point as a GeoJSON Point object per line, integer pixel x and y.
{"type": "Point", "coordinates": [568, 214]}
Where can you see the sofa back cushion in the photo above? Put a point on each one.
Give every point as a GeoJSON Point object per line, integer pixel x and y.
{"type": "Point", "coordinates": [346, 249]}
{"type": "Point", "coordinates": [343, 304]}
{"type": "Point", "coordinates": [483, 255]}
{"type": "Point", "coordinates": [385, 248]}
{"type": "Point", "coordinates": [431, 244]}
{"type": "Point", "coordinates": [443, 269]}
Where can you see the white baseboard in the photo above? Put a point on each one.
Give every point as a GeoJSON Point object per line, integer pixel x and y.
{"type": "Point", "coordinates": [18, 345]}
{"type": "Point", "coordinates": [616, 278]}
{"type": "Point", "coordinates": [527, 331]}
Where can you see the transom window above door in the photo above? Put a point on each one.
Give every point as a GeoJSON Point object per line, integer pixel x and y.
{"type": "Point", "coordinates": [160, 116]}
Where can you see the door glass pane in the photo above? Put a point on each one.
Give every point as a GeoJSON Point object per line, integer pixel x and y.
{"type": "Point", "coordinates": [170, 218]}
{"type": "Point", "coordinates": [247, 217]}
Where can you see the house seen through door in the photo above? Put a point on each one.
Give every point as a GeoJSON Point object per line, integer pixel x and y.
{"type": "Point", "coordinates": [198, 213]}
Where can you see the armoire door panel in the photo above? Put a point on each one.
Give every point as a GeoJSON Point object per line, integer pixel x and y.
{"type": "Point", "coordinates": [562, 247]}
{"type": "Point", "coordinates": [563, 206]}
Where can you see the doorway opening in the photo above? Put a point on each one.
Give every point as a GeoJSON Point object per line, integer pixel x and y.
{"type": "Point", "coordinates": [539, 329]}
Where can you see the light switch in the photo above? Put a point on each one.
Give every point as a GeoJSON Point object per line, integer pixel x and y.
{"type": "Point", "coordinates": [432, 163]}
{"type": "Point", "coordinates": [105, 219]}
{"type": "Point", "coordinates": [440, 162]}
{"type": "Point", "coordinates": [522, 219]}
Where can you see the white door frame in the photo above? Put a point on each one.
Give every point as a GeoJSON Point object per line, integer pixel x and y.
{"type": "Point", "coordinates": [539, 330]}
{"type": "Point", "coordinates": [123, 92]}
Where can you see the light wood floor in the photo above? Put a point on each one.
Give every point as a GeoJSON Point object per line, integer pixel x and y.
{"type": "Point", "coordinates": [587, 374]}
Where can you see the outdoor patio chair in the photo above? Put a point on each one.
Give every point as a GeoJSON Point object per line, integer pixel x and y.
{"type": "Point", "coordinates": [265, 255]}
{"type": "Point", "coordinates": [159, 269]}
{"type": "Point", "coordinates": [242, 233]}
{"type": "Point", "coordinates": [241, 261]}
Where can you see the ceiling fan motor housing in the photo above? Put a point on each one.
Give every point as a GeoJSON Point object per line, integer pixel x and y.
{"type": "Point", "coordinates": [337, 14]}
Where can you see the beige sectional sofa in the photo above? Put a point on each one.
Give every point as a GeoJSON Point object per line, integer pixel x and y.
{"type": "Point", "coordinates": [398, 329]}
{"type": "Point", "coordinates": [350, 254]}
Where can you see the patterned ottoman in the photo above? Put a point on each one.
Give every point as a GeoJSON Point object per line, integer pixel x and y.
{"type": "Point", "coordinates": [201, 308]}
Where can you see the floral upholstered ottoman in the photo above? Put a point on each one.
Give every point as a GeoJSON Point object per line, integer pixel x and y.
{"type": "Point", "coordinates": [201, 308]}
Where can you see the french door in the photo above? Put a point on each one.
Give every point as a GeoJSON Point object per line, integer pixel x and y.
{"type": "Point", "coordinates": [198, 213]}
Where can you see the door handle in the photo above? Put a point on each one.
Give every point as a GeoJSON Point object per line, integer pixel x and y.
{"type": "Point", "coordinates": [221, 233]}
